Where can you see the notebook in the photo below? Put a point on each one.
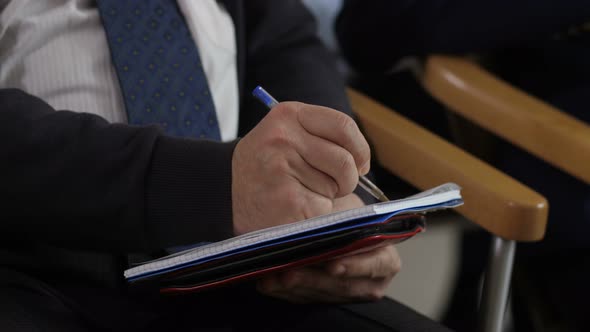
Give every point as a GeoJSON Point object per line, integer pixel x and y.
{"type": "Point", "coordinates": [287, 246]}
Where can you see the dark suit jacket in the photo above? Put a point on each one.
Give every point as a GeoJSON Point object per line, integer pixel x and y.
{"type": "Point", "coordinates": [374, 35]}
{"type": "Point", "coordinates": [78, 193]}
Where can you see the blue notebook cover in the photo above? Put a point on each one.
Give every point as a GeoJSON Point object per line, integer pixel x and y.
{"type": "Point", "coordinates": [441, 197]}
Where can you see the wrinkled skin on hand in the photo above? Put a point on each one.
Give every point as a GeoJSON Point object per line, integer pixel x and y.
{"type": "Point", "coordinates": [294, 164]}
{"type": "Point", "coordinates": [299, 162]}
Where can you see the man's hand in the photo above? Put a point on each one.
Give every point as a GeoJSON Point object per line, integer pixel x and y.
{"type": "Point", "coordinates": [361, 277]}
{"type": "Point", "coordinates": [299, 162]}
{"type": "Point", "coordinates": [294, 164]}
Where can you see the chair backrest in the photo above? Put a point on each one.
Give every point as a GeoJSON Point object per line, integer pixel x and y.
{"type": "Point", "coordinates": [525, 121]}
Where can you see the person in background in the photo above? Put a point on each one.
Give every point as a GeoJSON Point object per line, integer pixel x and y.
{"type": "Point", "coordinates": [120, 122]}
{"type": "Point", "coordinates": [542, 47]}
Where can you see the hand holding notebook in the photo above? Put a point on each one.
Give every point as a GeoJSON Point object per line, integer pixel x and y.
{"type": "Point", "coordinates": [291, 245]}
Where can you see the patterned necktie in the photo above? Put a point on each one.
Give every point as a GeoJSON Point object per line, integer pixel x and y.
{"type": "Point", "coordinates": [159, 67]}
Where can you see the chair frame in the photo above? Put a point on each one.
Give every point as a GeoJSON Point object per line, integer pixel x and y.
{"type": "Point", "coordinates": [496, 202]}
{"type": "Point", "coordinates": [543, 130]}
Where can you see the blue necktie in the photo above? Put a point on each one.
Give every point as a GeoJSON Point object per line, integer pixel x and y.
{"type": "Point", "coordinates": [159, 67]}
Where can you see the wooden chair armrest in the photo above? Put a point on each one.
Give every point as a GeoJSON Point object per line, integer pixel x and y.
{"type": "Point", "coordinates": [512, 114]}
{"type": "Point", "coordinates": [493, 200]}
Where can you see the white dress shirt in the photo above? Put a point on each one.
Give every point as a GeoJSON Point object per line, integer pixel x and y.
{"type": "Point", "coordinates": [58, 51]}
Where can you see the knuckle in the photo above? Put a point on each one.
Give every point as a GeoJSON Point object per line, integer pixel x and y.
{"type": "Point", "coordinates": [348, 175]}
{"type": "Point", "coordinates": [350, 131]}
{"type": "Point", "coordinates": [278, 165]}
{"type": "Point", "coordinates": [346, 162]}
{"type": "Point", "coordinates": [331, 188]}
{"type": "Point", "coordinates": [316, 207]}
{"type": "Point", "coordinates": [286, 112]}
{"type": "Point", "coordinates": [278, 136]}
{"type": "Point", "coordinates": [364, 154]}
{"type": "Point", "coordinates": [346, 124]}
{"type": "Point", "coordinates": [285, 109]}
{"type": "Point", "coordinates": [292, 198]}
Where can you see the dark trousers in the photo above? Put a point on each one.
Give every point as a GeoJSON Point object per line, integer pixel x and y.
{"type": "Point", "coordinates": [27, 304]}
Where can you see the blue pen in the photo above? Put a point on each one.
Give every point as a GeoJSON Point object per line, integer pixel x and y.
{"type": "Point", "coordinates": [270, 102]}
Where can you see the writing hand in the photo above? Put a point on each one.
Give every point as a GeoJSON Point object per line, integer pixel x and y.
{"type": "Point", "coordinates": [294, 164]}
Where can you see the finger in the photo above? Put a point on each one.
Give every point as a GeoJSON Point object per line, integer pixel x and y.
{"type": "Point", "coordinates": [331, 159]}
{"type": "Point", "coordinates": [305, 295]}
{"type": "Point", "coordinates": [286, 132]}
{"type": "Point", "coordinates": [339, 128]}
{"type": "Point", "coordinates": [313, 179]}
{"type": "Point", "coordinates": [347, 202]}
{"type": "Point", "coordinates": [297, 200]}
{"type": "Point", "coordinates": [318, 284]}
{"type": "Point", "coordinates": [282, 287]}
{"type": "Point", "coordinates": [382, 262]}
{"type": "Point", "coordinates": [274, 288]}
{"type": "Point", "coordinates": [316, 204]}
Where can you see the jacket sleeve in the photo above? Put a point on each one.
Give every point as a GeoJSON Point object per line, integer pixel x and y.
{"type": "Point", "coordinates": [74, 180]}
{"type": "Point", "coordinates": [285, 56]}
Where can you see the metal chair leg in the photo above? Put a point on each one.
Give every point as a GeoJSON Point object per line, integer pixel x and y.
{"type": "Point", "coordinates": [496, 285]}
